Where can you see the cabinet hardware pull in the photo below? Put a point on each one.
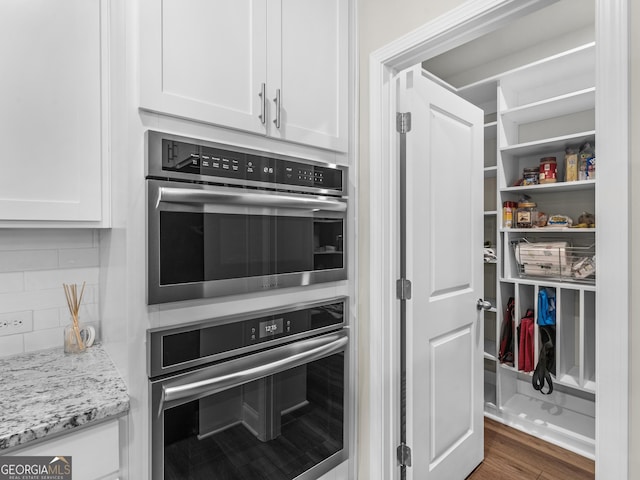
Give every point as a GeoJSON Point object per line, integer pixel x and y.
{"type": "Point", "coordinates": [227, 375]}
{"type": "Point", "coordinates": [263, 104]}
{"type": "Point", "coordinates": [277, 102]}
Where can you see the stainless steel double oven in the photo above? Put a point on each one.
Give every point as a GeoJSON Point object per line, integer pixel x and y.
{"type": "Point", "coordinates": [255, 397]}
{"type": "Point", "coordinates": [262, 394]}
{"type": "Point", "coordinates": [225, 220]}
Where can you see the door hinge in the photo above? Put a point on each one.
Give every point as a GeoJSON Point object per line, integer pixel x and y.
{"type": "Point", "coordinates": [403, 122]}
{"type": "Point", "coordinates": [404, 455]}
{"type": "Point", "coordinates": [403, 289]}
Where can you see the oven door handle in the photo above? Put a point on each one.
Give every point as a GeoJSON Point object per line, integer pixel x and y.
{"type": "Point", "coordinates": [215, 195]}
{"type": "Point", "coordinates": [220, 377]}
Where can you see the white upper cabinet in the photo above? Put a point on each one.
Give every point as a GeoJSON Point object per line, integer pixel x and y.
{"type": "Point", "coordinates": [53, 112]}
{"type": "Point", "coordinates": [204, 60]}
{"type": "Point", "coordinates": [271, 67]}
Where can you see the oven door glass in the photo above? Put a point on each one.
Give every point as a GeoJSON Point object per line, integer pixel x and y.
{"type": "Point", "coordinates": [208, 240]}
{"type": "Point", "coordinates": [196, 247]}
{"type": "Point", "coordinates": [274, 428]}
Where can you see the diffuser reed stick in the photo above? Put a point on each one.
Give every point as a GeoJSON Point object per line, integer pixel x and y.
{"type": "Point", "coordinates": [73, 302]}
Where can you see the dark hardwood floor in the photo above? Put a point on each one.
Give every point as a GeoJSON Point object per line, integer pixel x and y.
{"type": "Point", "coordinates": [512, 455]}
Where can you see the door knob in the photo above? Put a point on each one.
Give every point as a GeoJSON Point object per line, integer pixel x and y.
{"type": "Point", "coordinates": [484, 305]}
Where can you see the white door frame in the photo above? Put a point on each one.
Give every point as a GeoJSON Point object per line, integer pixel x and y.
{"type": "Point", "coordinates": [469, 21]}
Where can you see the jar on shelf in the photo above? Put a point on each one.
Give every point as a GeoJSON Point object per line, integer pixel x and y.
{"type": "Point", "coordinates": [548, 169]}
{"type": "Point", "coordinates": [526, 215]}
{"type": "Point", "coordinates": [531, 176]}
{"type": "Point", "coordinates": [508, 209]}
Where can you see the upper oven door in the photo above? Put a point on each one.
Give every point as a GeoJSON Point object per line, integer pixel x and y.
{"type": "Point", "coordinates": [207, 241]}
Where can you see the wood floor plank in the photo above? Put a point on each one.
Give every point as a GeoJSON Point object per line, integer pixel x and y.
{"type": "Point", "coordinates": [513, 455]}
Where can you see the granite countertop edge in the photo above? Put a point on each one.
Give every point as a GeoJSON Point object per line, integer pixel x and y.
{"type": "Point", "coordinates": [46, 393]}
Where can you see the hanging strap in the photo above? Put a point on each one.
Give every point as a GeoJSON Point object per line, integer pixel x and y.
{"type": "Point", "coordinates": [541, 373]}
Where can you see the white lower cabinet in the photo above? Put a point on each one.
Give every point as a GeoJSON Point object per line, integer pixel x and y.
{"type": "Point", "coordinates": [54, 111]}
{"type": "Point", "coordinates": [94, 451]}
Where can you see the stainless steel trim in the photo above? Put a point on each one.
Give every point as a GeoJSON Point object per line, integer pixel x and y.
{"type": "Point", "coordinates": [277, 101]}
{"type": "Point", "coordinates": [217, 378]}
{"type": "Point", "coordinates": [230, 196]}
{"type": "Point", "coordinates": [153, 164]}
{"type": "Point", "coordinates": [155, 336]}
{"type": "Point", "coordinates": [263, 103]}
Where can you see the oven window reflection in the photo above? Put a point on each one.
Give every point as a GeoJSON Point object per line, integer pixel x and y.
{"type": "Point", "coordinates": [196, 247]}
{"type": "Point", "coordinates": [274, 428]}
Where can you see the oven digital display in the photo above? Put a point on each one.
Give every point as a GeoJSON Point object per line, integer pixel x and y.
{"type": "Point", "coordinates": [271, 328]}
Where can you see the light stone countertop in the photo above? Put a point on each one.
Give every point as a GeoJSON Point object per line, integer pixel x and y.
{"type": "Point", "coordinates": [47, 392]}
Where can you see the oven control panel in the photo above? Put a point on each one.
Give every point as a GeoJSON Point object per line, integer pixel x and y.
{"type": "Point", "coordinates": [209, 342]}
{"type": "Point", "coordinates": [246, 168]}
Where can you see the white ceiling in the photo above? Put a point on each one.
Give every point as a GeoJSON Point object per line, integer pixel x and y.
{"type": "Point", "coordinates": [560, 26]}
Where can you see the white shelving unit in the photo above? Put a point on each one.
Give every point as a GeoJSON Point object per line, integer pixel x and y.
{"type": "Point", "coordinates": [540, 110]}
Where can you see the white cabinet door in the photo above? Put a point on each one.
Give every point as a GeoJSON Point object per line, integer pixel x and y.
{"type": "Point", "coordinates": [211, 61]}
{"type": "Point", "coordinates": [204, 60]}
{"type": "Point", "coordinates": [308, 63]}
{"type": "Point", "coordinates": [52, 109]}
{"type": "Point", "coordinates": [94, 451]}
{"type": "Point", "coordinates": [444, 337]}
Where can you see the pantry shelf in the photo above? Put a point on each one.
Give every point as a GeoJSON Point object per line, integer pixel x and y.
{"type": "Point", "coordinates": [541, 147]}
{"type": "Point", "coordinates": [552, 107]}
{"type": "Point", "coordinates": [490, 172]}
{"type": "Point", "coordinates": [555, 187]}
{"type": "Point", "coordinates": [548, 230]}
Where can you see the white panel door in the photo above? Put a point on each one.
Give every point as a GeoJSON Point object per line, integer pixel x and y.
{"type": "Point", "coordinates": [204, 60]}
{"type": "Point", "coordinates": [308, 64]}
{"type": "Point", "coordinates": [52, 110]}
{"type": "Point", "coordinates": [444, 263]}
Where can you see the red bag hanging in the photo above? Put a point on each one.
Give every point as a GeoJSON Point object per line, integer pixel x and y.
{"type": "Point", "coordinates": [526, 340]}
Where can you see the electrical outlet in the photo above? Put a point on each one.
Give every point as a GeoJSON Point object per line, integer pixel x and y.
{"type": "Point", "coordinates": [12, 324]}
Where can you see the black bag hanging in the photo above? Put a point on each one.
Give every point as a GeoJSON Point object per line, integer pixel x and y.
{"type": "Point", "coordinates": [505, 354]}
{"type": "Point", "coordinates": [547, 360]}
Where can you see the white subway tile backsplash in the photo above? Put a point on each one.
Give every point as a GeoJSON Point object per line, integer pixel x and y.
{"type": "Point", "coordinates": [41, 339]}
{"type": "Point", "coordinates": [11, 282]}
{"type": "Point", "coordinates": [28, 239]}
{"type": "Point", "coordinates": [33, 266]}
{"type": "Point", "coordinates": [11, 345]}
{"type": "Point", "coordinates": [49, 318]}
{"type": "Point", "coordinates": [20, 261]}
{"type": "Point", "coordinates": [43, 279]}
{"type": "Point", "coordinates": [79, 257]}
{"type": "Point", "coordinates": [35, 299]}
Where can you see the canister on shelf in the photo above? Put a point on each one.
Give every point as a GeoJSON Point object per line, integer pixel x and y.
{"type": "Point", "coordinates": [548, 169]}
{"type": "Point", "coordinates": [570, 165]}
{"type": "Point", "coordinates": [508, 209]}
{"type": "Point", "coordinates": [530, 176]}
{"type": "Point", "coordinates": [526, 215]}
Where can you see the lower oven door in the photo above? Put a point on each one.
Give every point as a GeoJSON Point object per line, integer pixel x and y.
{"type": "Point", "coordinates": [207, 241]}
{"type": "Point", "coordinates": [279, 414]}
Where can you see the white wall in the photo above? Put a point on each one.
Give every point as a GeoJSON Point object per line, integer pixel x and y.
{"type": "Point", "coordinates": [33, 266]}
{"type": "Point", "coordinates": [634, 401]}
{"type": "Point", "coordinates": [379, 23]}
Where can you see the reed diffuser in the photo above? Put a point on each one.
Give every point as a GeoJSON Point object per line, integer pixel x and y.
{"type": "Point", "coordinates": [73, 342]}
